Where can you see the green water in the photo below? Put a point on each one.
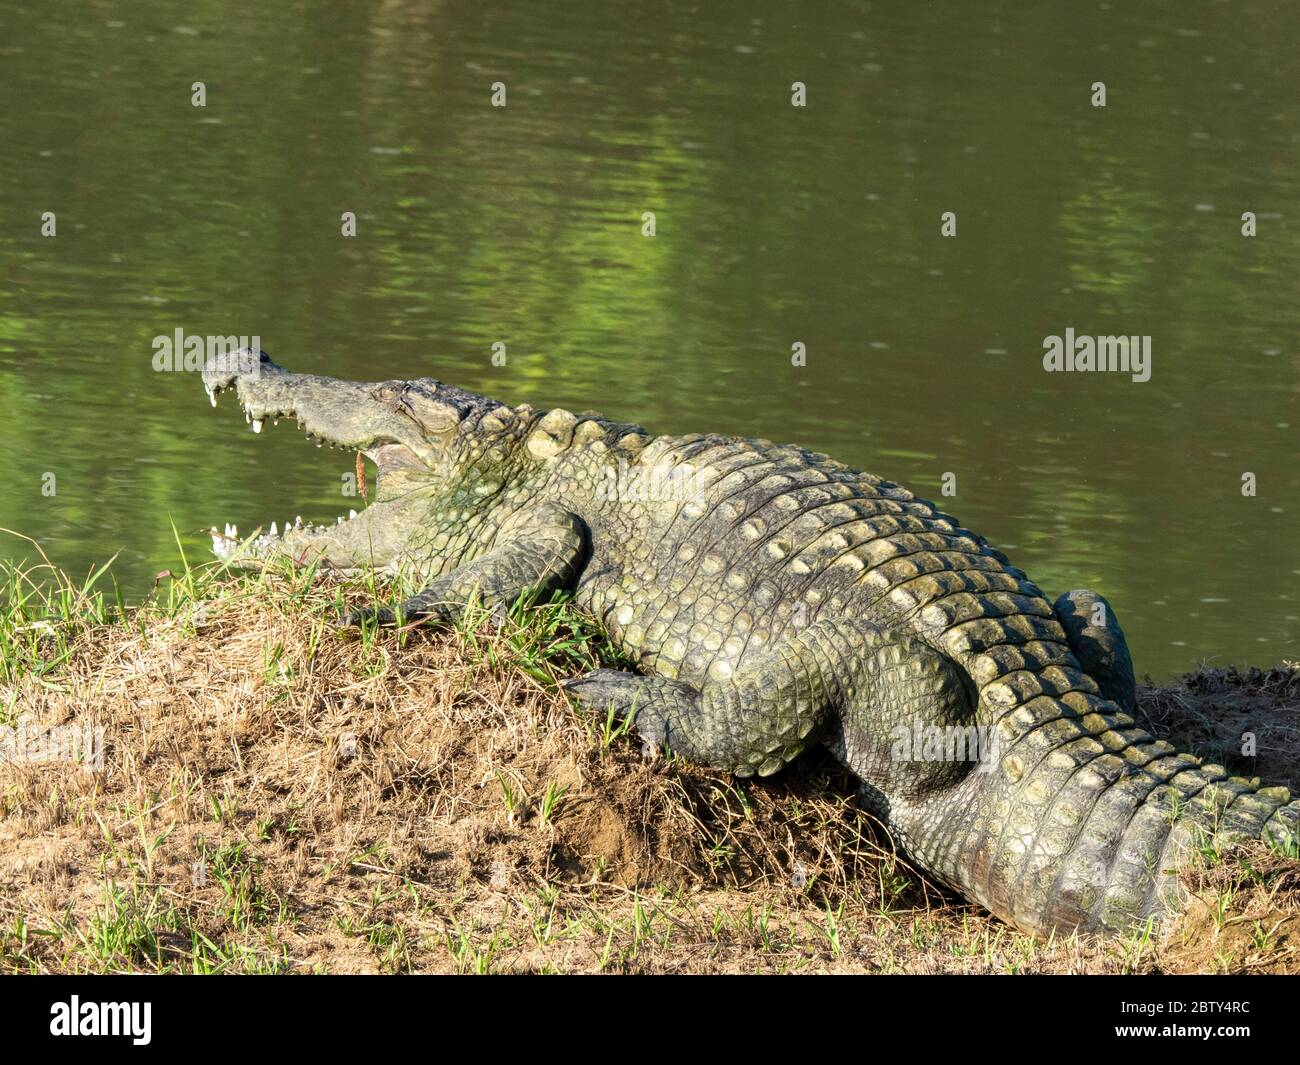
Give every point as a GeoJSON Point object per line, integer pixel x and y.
{"type": "Point", "coordinates": [774, 225]}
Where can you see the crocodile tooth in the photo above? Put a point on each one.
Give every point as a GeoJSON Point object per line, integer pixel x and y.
{"type": "Point", "coordinates": [247, 417]}
{"type": "Point", "coordinates": [351, 514]}
{"type": "Point", "coordinates": [257, 425]}
{"type": "Point", "coordinates": [274, 529]}
{"type": "Point", "coordinates": [297, 522]}
{"type": "Point", "coordinates": [212, 396]}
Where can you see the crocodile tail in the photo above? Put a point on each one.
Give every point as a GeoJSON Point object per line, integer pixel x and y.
{"type": "Point", "coordinates": [1080, 819]}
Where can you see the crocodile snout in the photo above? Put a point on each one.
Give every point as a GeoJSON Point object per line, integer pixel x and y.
{"type": "Point", "coordinates": [226, 369]}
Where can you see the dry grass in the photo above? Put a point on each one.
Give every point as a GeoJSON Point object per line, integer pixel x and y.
{"type": "Point", "coordinates": [275, 796]}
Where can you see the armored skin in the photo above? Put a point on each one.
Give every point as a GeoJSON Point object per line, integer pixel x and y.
{"type": "Point", "coordinates": [775, 599]}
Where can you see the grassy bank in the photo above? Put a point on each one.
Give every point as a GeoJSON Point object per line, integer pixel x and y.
{"type": "Point", "coordinates": [271, 795]}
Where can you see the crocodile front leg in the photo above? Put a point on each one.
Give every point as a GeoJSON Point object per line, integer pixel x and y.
{"type": "Point", "coordinates": [542, 551]}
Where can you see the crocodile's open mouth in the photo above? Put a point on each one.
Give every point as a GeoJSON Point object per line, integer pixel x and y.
{"type": "Point", "coordinates": [330, 413]}
{"type": "Point", "coordinates": [263, 542]}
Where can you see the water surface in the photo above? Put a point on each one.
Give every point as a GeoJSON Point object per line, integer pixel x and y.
{"type": "Point", "coordinates": [775, 225]}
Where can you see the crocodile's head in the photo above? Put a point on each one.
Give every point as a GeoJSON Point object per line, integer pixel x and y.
{"type": "Point", "coordinates": [442, 454]}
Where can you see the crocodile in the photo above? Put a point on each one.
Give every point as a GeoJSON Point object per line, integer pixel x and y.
{"type": "Point", "coordinates": [772, 600]}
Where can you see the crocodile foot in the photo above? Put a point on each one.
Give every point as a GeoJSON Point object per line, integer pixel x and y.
{"type": "Point", "coordinates": [1098, 643]}
{"type": "Point", "coordinates": [648, 703]}
{"type": "Point", "coordinates": [379, 615]}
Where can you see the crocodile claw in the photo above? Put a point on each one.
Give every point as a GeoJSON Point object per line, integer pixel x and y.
{"type": "Point", "coordinates": [380, 615]}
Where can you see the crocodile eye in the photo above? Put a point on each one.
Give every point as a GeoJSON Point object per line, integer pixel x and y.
{"type": "Point", "coordinates": [430, 414]}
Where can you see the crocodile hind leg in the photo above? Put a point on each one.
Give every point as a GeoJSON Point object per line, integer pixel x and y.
{"type": "Point", "coordinates": [755, 722]}
{"type": "Point", "coordinates": [1098, 643]}
{"type": "Point", "coordinates": [542, 551]}
{"type": "Point", "coordinates": [842, 681]}
{"type": "Point", "coordinates": [908, 730]}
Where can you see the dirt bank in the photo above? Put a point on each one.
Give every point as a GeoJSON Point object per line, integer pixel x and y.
{"type": "Point", "coordinates": [273, 796]}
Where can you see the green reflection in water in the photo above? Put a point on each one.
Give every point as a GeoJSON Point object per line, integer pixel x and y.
{"type": "Point", "coordinates": [775, 224]}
